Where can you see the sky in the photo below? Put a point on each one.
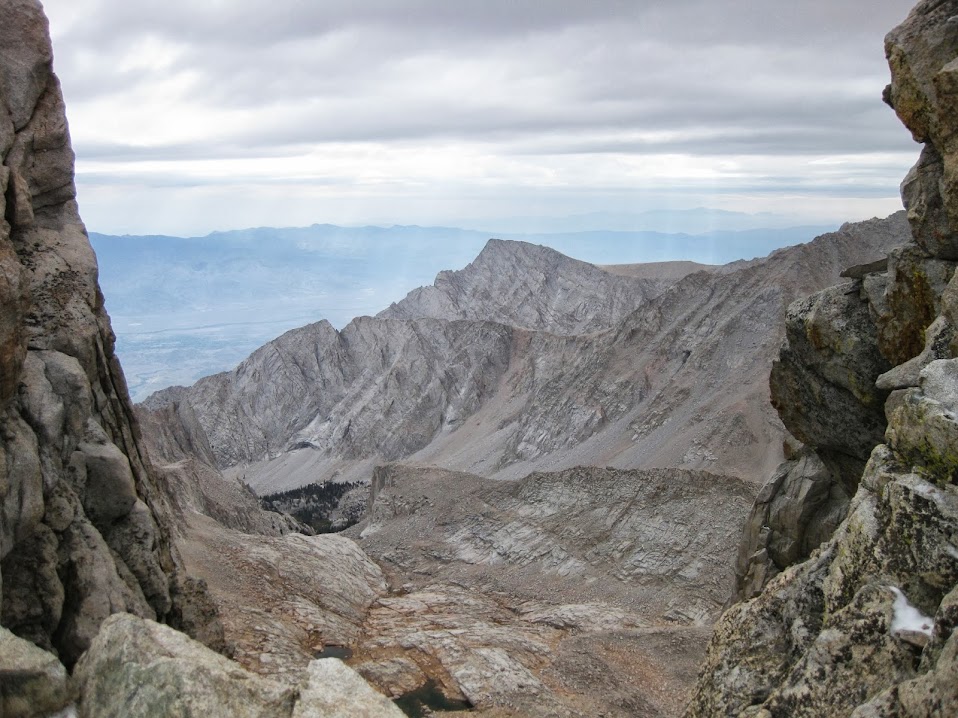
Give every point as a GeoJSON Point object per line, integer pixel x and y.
{"type": "Point", "coordinates": [189, 117]}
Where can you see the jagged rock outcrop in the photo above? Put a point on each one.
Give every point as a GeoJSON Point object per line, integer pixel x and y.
{"type": "Point", "coordinates": [83, 520]}
{"type": "Point", "coordinates": [866, 626]}
{"type": "Point", "coordinates": [532, 287]}
{"type": "Point", "coordinates": [136, 667]}
{"type": "Point", "coordinates": [680, 381]}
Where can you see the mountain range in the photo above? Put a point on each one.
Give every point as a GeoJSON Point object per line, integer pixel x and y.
{"type": "Point", "coordinates": [184, 308]}
{"type": "Point", "coordinates": [529, 360]}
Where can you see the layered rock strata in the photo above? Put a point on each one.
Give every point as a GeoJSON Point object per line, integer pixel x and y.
{"type": "Point", "coordinates": [501, 391]}
{"type": "Point", "coordinates": [866, 625]}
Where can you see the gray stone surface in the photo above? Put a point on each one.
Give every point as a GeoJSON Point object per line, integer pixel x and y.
{"type": "Point", "coordinates": [33, 683]}
{"type": "Point", "coordinates": [828, 637]}
{"type": "Point", "coordinates": [137, 668]}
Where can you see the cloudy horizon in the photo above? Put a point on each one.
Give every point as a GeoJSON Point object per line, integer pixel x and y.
{"type": "Point", "coordinates": [188, 118]}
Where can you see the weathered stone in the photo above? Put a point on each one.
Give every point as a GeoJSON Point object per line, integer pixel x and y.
{"type": "Point", "coordinates": [33, 683]}
{"type": "Point", "coordinates": [33, 595]}
{"type": "Point", "coordinates": [110, 491]}
{"type": "Point", "coordinates": [823, 384]}
{"type": "Point", "coordinates": [796, 511]}
{"type": "Point", "coordinates": [95, 588]}
{"type": "Point", "coordinates": [134, 539]}
{"type": "Point", "coordinates": [69, 447]}
{"type": "Point", "coordinates": [912, 301]}
{"type": "Point", "coordinates": [333, 690]}
{"type": "Point", "coordinates": [923, 422]}
{"type": "Point", "coordinates": [137, 669]}
{"type": "Point", "coordinates": [920, 54]}
{"type": "Point", "coordinates": [21, 484]}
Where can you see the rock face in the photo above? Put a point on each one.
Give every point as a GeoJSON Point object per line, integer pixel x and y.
{"type": "Point", "coordinates": [499, 389]}
{"type": "Point", "coordinates": [866, 625]}
{"type": "Point", "coordinates": [82, 517]}
{"type": "Point", "coordinates": [655, 542]}
{"type": "Point", "coordinates": [138, 668]}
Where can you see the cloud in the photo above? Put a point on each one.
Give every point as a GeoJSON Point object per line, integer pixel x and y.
{"type": "Point", "coordinates": [232, 80]}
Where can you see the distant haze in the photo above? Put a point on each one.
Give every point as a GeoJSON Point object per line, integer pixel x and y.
{"type": "Point", "coordinates": [189, 117]}
{"type": "Point", "coordinates": [183, 308]}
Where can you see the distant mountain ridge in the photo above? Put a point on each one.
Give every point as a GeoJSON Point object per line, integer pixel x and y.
{"type": "Point", "coordinates": [681, 380]}
{"type": "Point", "coordinates": [531, 287]}
{"type": "Point", "coordinates": [184, 308]}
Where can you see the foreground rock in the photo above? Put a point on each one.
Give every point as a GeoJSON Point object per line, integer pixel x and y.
{"type": "Point", "coordinates": [32, 681]}
{"type": "Point", "coordinates": [137, 669]}
{"type": "Point", "coordinates": [84, 523]}
{"type": "Point", "coordinates": [865, 626]}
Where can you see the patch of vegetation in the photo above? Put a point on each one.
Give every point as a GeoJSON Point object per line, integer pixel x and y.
{"type": "Point", "coordinates": [315, 504]}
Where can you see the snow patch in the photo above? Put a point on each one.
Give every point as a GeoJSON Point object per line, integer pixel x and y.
{"type": "Point", "coordinates": [907, 617]}
{"type": "Point", "coordinates": [69, 712]}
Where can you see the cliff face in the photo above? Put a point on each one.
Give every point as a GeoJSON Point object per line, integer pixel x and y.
{"type": "Point", "coordinates": [869, 380]}
{"type": "Point", "coordinates": [81, 515]}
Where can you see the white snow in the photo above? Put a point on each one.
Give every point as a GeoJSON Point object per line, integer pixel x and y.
{"type": "Point", "coordinates": [69, 712]}
{"type": "Point", "coordinates": [907, 617]}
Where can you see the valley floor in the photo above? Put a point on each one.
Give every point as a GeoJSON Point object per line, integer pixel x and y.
{"type": "Point", "coordinates": [514, 598]}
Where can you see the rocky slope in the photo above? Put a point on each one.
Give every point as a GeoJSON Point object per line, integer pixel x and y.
{"type": "Point", "coordinates": [524, 597]}
{"type": "Point", "coordinates": [513, 598]}
{"type": "Point", "coordinates": [869, 380]}
{"type": "Point", "coordinates": [680, 381]}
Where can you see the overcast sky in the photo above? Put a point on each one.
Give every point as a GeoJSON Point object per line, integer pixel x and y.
{"type": "Point", "coordinates": [192, 116]}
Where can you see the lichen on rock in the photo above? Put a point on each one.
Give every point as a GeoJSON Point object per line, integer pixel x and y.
{"type": "Point", "coordinates": [825, 637]}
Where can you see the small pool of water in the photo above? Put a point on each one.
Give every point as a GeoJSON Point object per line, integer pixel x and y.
{"type": "Point", "coordinates": [332, 651]}
{"type": "Point", "coordinates": [427, 700]}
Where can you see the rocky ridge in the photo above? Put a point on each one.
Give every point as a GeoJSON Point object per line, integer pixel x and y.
{"type": "Point", "coordinates": [864, 624]}
{"type": "Point", "coordinates": [500, 400]}
{"type": "Point", "coordinates": [534, 287]}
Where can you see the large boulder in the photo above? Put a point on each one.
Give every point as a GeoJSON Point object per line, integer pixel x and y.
{"type": "Point", "coordinates": [137, 668]}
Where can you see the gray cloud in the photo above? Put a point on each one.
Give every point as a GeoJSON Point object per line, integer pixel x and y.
{"type": "Point", "coordinates": [517, 77]}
